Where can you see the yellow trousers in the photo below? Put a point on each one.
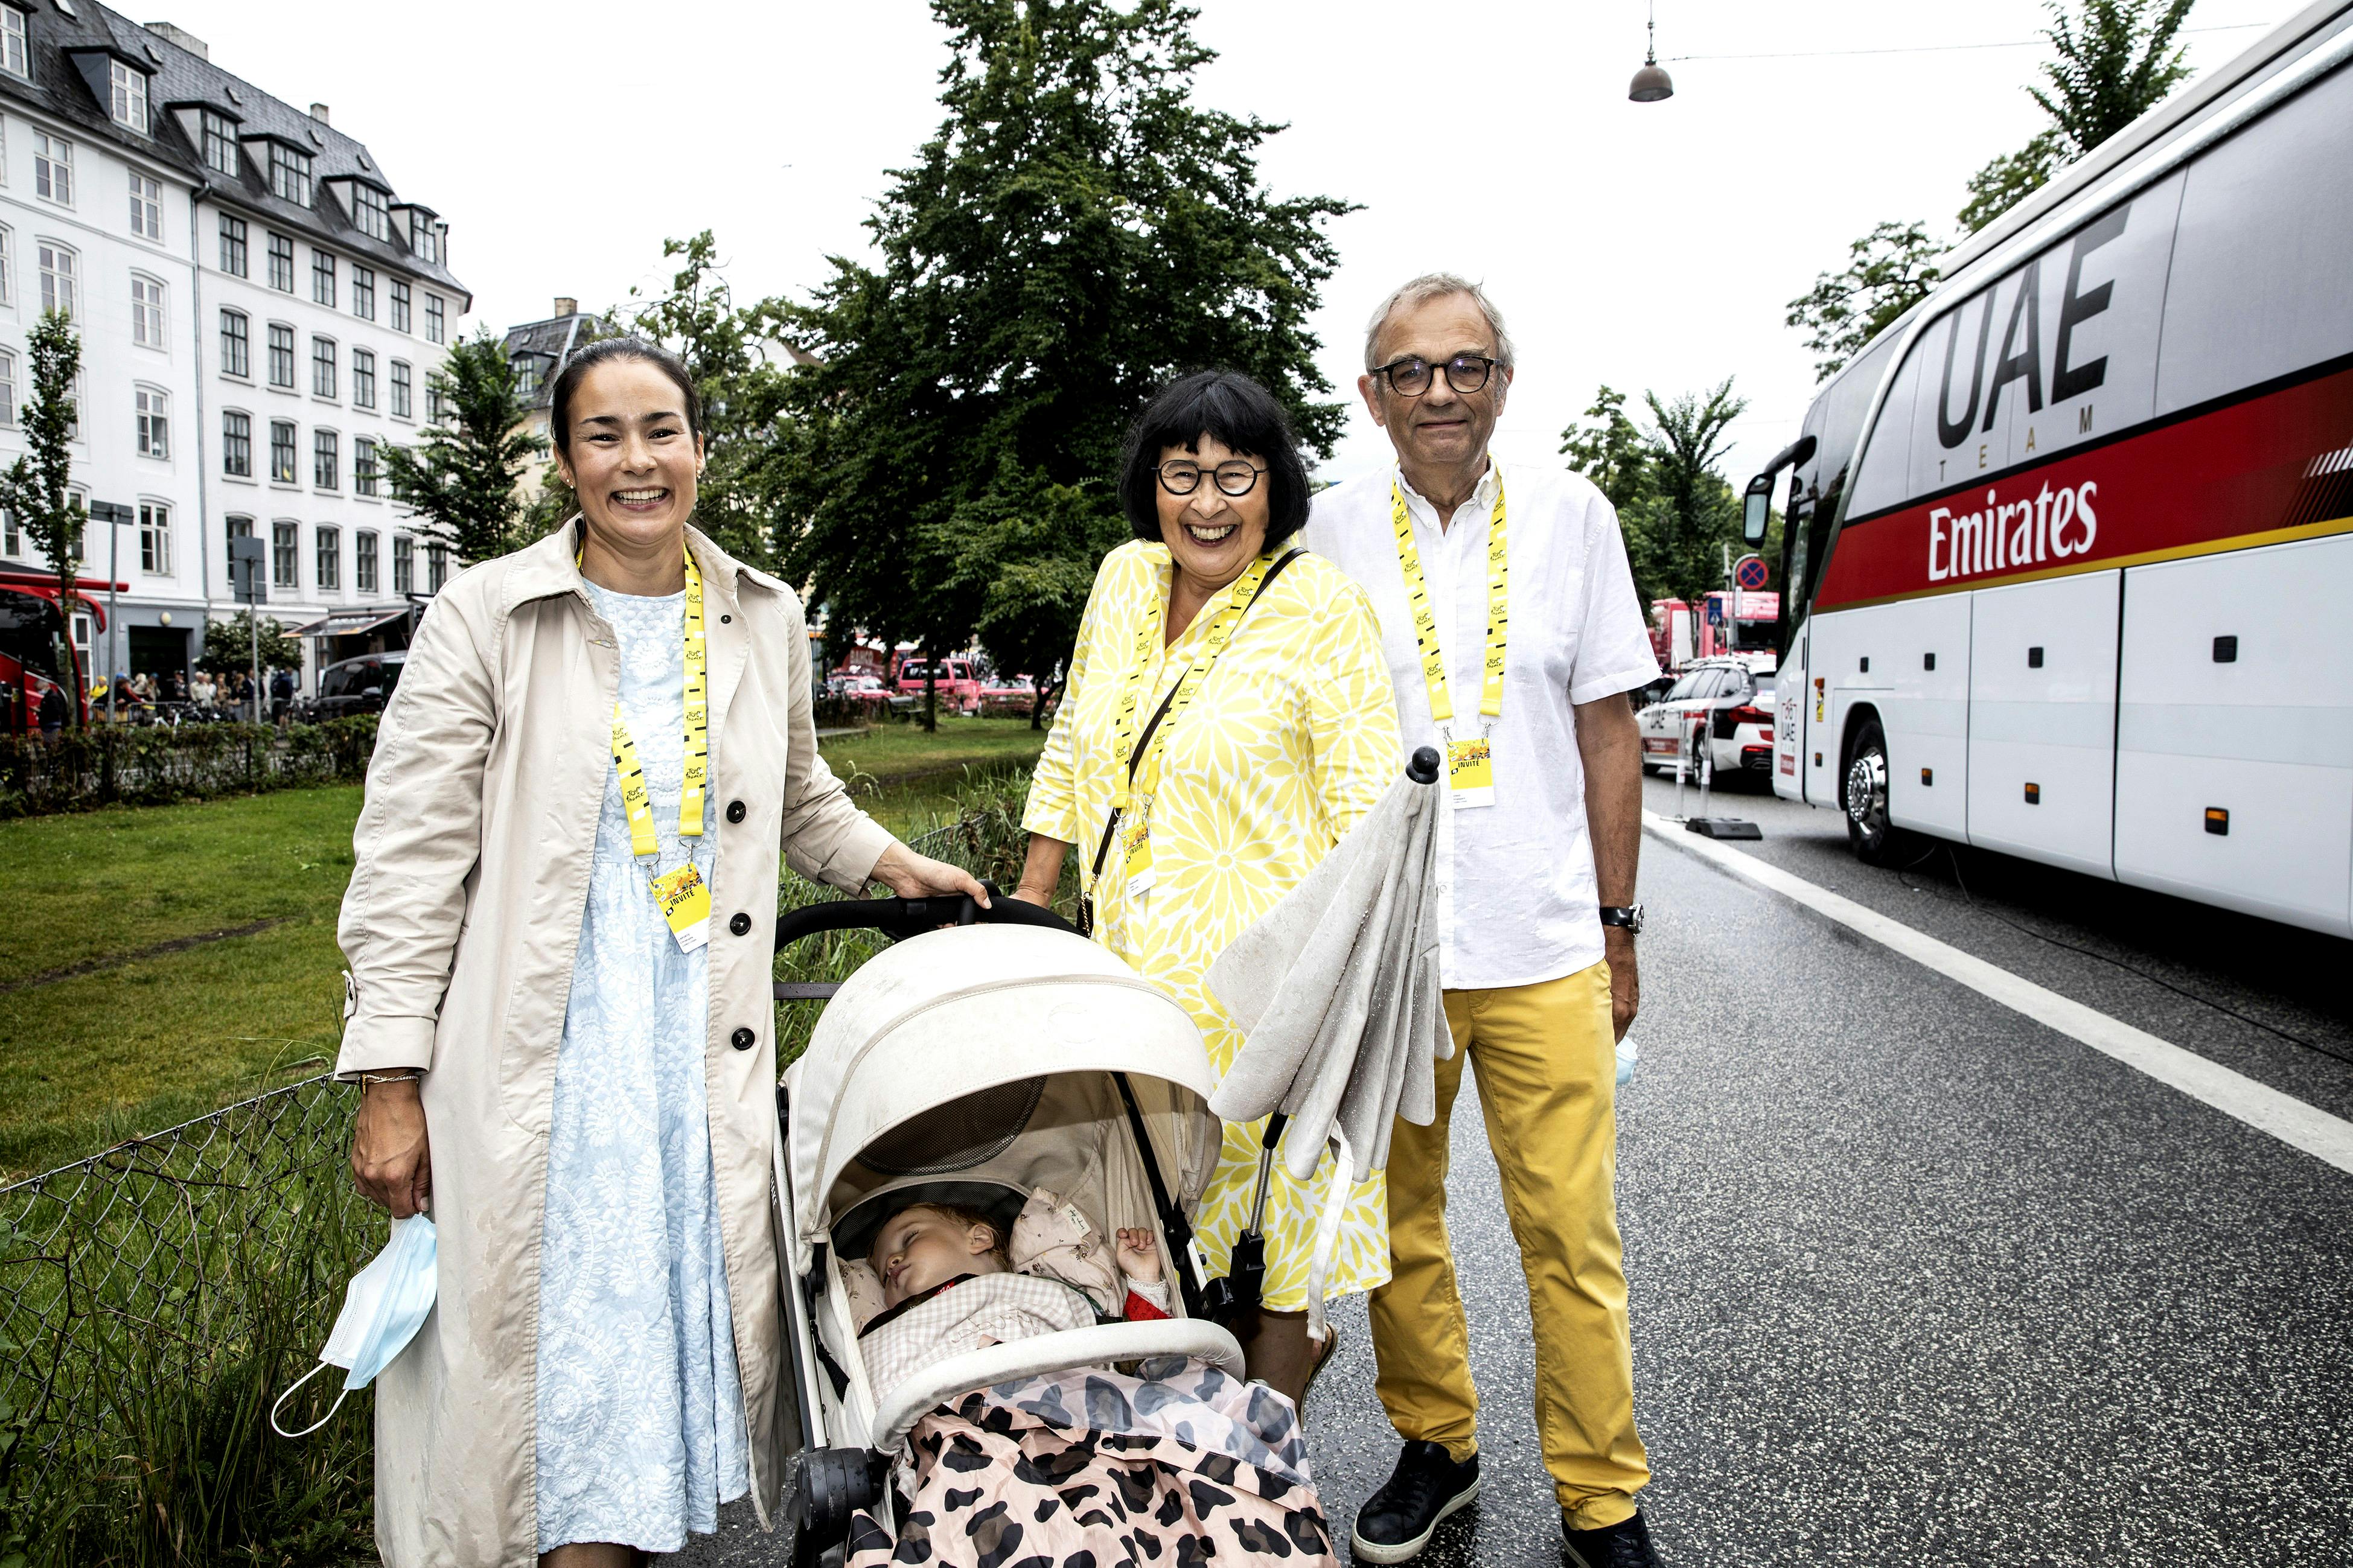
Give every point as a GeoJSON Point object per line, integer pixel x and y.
{"type": "Point", "coordinates": [1547, 1062]}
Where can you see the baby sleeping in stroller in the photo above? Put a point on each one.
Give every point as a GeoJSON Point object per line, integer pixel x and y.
{"type": "Point", "coordinates": [1162, 1463]}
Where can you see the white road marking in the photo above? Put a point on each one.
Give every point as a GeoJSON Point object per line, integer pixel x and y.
{"type": "Point", "coordinates": [2234, 1094]}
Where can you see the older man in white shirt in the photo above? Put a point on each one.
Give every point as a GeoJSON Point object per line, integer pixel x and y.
{"type": "Point", "coordinates": [1513, 635]}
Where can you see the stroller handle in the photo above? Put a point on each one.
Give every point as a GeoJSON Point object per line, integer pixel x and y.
{"type": "Point", "coordinates": [903, 917]}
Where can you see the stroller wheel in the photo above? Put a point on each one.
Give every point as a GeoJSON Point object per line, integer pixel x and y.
{"type": "Point", "coordinates": [832, 1486]}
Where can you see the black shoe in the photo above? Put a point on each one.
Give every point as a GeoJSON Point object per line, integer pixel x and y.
{"type": "Point", "coordinates": [1395, 1521]}
{"type": "Point", "coordinates": [1625, 1544]}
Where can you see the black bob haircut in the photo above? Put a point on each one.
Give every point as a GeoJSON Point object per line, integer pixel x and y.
{"type": "Point", "coordinates": [602, 351]}
{"type": "Point", "coordinates": [1238, 413]}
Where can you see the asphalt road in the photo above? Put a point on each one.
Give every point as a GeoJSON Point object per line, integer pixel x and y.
{"type": "Point", "coordinates": [1915, 1279]}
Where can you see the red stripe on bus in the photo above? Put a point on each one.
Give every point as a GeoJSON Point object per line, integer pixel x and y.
{"type": "Point", "coordinates": [2240, 473]}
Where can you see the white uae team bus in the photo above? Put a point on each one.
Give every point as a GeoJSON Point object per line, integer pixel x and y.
{"type": "Point", "coordinates": [2068, 548]}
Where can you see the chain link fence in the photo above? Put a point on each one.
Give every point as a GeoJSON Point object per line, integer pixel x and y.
{"type": "Point", "coordinates": [155, 1298]}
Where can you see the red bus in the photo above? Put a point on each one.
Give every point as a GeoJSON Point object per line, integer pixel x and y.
{"type": "Point", "coordinates": [32, 655]}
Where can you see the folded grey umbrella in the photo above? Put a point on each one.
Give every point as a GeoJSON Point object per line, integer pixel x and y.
{"type": "Point", "coordinates": [1336, 990]}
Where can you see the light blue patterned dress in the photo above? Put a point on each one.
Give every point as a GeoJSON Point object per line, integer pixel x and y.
{"type": "Point", "coordinates": [641, 1411]}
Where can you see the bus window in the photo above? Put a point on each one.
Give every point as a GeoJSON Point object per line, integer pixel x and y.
{"type": "Point", "coordinates": [30, 632]}
{"type": "Point", "coordinates": [2258, 287]}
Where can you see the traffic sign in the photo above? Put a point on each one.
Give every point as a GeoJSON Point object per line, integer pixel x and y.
{"type": "Point", "coordinates": [1750, 573]}
{"type": "Point", "coordinates": [1715, 611]}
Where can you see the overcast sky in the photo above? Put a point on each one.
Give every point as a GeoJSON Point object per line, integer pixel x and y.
{"type": "Point", "coordinates": [1643, 246]}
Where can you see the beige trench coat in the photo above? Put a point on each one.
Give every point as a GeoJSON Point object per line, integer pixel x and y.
{"type": "Point", "coordinates": [460, 924]}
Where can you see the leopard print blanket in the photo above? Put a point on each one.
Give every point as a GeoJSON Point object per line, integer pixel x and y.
{"type": "Point", "coordinates": [1172, 1467]}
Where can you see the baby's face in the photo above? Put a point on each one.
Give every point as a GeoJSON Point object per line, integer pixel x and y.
{"type": "Point", "coordinates": [921, 1247]}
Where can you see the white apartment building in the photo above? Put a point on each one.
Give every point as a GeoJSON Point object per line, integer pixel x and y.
{"type": "Point", "coordinates": [259, 311]}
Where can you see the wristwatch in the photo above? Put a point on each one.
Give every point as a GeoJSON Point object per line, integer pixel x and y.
{"type": "Point", "coordinates": [1627, 915]}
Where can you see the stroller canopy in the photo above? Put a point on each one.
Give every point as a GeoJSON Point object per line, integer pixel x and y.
{"type": "Point", "coordinates": [914, 1041]}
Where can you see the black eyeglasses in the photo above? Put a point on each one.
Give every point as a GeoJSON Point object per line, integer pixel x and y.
{"type": "Point", "coordinates": [1409, 376]}
{"type": "Point", "coordinates": [1179, 478]}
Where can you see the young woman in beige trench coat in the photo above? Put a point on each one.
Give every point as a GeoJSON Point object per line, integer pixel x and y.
{"type": "Point", "coordinates": [464, 924]}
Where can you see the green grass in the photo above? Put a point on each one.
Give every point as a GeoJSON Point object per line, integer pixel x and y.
{"type": "Point", "coordinates": [137, 1045]}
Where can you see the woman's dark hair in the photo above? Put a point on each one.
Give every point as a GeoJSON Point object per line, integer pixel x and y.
{"type": "Point", "coordinates": [1238, 412]}
{"type": "Point", "coordinates": [604, 351]}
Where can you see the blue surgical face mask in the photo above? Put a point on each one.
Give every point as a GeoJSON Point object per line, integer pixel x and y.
{"type": "Point", "coordinates": [383, 1306]}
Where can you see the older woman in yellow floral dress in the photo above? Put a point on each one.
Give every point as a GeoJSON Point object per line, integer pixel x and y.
{"type": "Point", "coordinates": [1242, 682]}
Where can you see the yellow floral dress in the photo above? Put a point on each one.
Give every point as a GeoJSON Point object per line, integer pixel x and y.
{"type": "Point", "coordinates": [1289, 740]}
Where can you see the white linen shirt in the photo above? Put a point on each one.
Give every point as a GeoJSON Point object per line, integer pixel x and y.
{"type": "Point", "coordinates": [1516, 899]}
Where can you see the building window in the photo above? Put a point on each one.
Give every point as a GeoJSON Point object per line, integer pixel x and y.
{"type": "Point", "coordinates": [220, 149]}
{"type": "Point", "coordinates": [146, 312]}
{"type": "Point", "coordinates": [323, 279]}
{"type": "Point", "coordinates": [281, 451]}
{"type": "Point", "coordinates": [289, 175]}
{"type": "Point", "coordinates": [154, 409]}
{"type": "Point", "coordinates": [526, 373]}
{"type": "Point", "coordinates": [146, 206]}
{"type": "Point", "coordinates": [322, 367]}
{"type": "Point", "coordinates": [369, 214]}
{"type": "Point", "coordinates": [285, 555]}
{"type": "Point", "coordinates": [14, 54]}
{"type": "Point", "coordinates": [436, 567]}
{"type": "Point", "coordinates": [73, 408]}
{"type": "Point", "coordinates": [363, 292]}
{"type": "Point", "coordinates": [329, 555]}
{"type": "Point", "coordinates": [432, 402]}
{"type": "Point", "coordinates": [281, 354]}
{"type": "Point", "coordinates": [364, 378]}
{"type": "Point", "coordinates": [363, 561]}
{"type": "Point", "coordinates": [404, 564]}
{"type": "Point", "coordinates": [236, 344]}
{"type": "Point", "coordinates": [59, 268]}
{"type": "Point", "coordinates": [7, 388]}
{"type": "Point", "coordinates": [12, 536]}
{"type": "Point", "coordinates": [281, 264]}
{"type": "Point", "coordinates": [236, 445]}
{"type": "Point", "coordinates": [155, 538]}
{"type": "Point", "coordinates": [433, 322]}
{"type": "Point", "coordinates": [326, 460]}
{"type": "Point", "coordinates": [426, 240]}
{"type": "Point", "coordinates": [7, 265]}
{"type": "Point", "coordinates": [53, 168]}
{"type": "Point", "coordinates": [364, 469]}
{"type": "Point", "coordinates": [399, 306]}
{"type": "Point", "coordinates": [232, 246]}
{"type": "Point", "coordinates": [127, 95]}
{"type": "Point", "coordinates": [400, 404]}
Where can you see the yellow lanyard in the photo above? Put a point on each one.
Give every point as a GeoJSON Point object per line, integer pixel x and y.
{"type": "Point", "coordinates": [643, 840]}
{"type": "Point", "coordinates": [1214, 638]}
{"type": "Point", "coordinates": [1425, 624]}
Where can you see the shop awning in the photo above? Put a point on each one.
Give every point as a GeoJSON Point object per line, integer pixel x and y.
{"type": "Point", "coordinates": [349, 623]}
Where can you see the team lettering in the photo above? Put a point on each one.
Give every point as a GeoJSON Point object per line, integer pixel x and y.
{"type": "Point", "coordinates": [2007, 536]}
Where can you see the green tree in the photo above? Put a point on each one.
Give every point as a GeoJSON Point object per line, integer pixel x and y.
{"type": "Point", "coordinates": [1077, 231]}
{"type": "Point", "coordinates": [229, 643]}
{"type": "Point", "coordinates": [1613, 452]}
{"type": "Point", "coordinates": [2112, 63]}
{"type": "Point", "coordinates": [1888, 272]}
{"type": "Point", "coordinates": [1678, 543]}
{"type": "Point", "coordinates": [34, 488]}
{"type": "Point", "coordinates": [460, 476]}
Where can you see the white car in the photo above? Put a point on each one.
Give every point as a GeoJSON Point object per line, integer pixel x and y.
{"type": "Point", "coordinates": [1722, 709]}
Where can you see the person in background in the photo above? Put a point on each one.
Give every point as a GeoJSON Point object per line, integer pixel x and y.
{"type": "Point", "coordinates": [281, 695]}
{"type": "Point", "coordinates": [55, 710]}
{"type": "Point", "coordinates": [202, 691]}
{"type": "Point", "coordinates": [1277, 735]}
{"type": "Point", "coordinates": [1513, 583]}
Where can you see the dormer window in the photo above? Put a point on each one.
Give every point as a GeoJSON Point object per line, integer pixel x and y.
{"type": "Point", "coordinates": [14, 55]}
{"type": "Point", "coordinates": [220, 145]}
{"type": "Point", "coordinates": [127, 97]}
{"type": "Point", "coordinates": [428, 243]}
{"type": "Point", "coordinates": [289, 175]}
{"type": "Point", "coordinates": [369, 212]}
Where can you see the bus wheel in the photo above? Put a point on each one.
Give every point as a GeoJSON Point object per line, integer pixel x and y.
{"type": "Point", "coordinates": [1875, 842]}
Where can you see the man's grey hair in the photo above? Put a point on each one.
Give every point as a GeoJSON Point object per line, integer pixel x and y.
{"type": "Point", "coordinates": [1420, 292]}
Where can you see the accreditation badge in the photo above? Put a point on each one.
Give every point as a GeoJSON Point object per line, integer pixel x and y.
{"type": "Point", "coordinates": [1471, 771]}
{"type": "Point", "coordinates": [1135, 854]}
{"type": "Point", "coordinates": [685, 900]}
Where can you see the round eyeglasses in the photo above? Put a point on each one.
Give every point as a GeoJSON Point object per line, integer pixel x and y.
{"type": "Point", "coordinates": [1236, 478]}
{"type": "Point", "coordinates": [1409, 376]}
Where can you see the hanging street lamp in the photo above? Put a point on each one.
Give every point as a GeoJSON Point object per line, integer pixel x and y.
{"type": "Point", "coordinates": [1651, 83]}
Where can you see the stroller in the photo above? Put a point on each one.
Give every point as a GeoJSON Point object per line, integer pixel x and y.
{"type": "Point", "coordinates": [975, 1065]}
